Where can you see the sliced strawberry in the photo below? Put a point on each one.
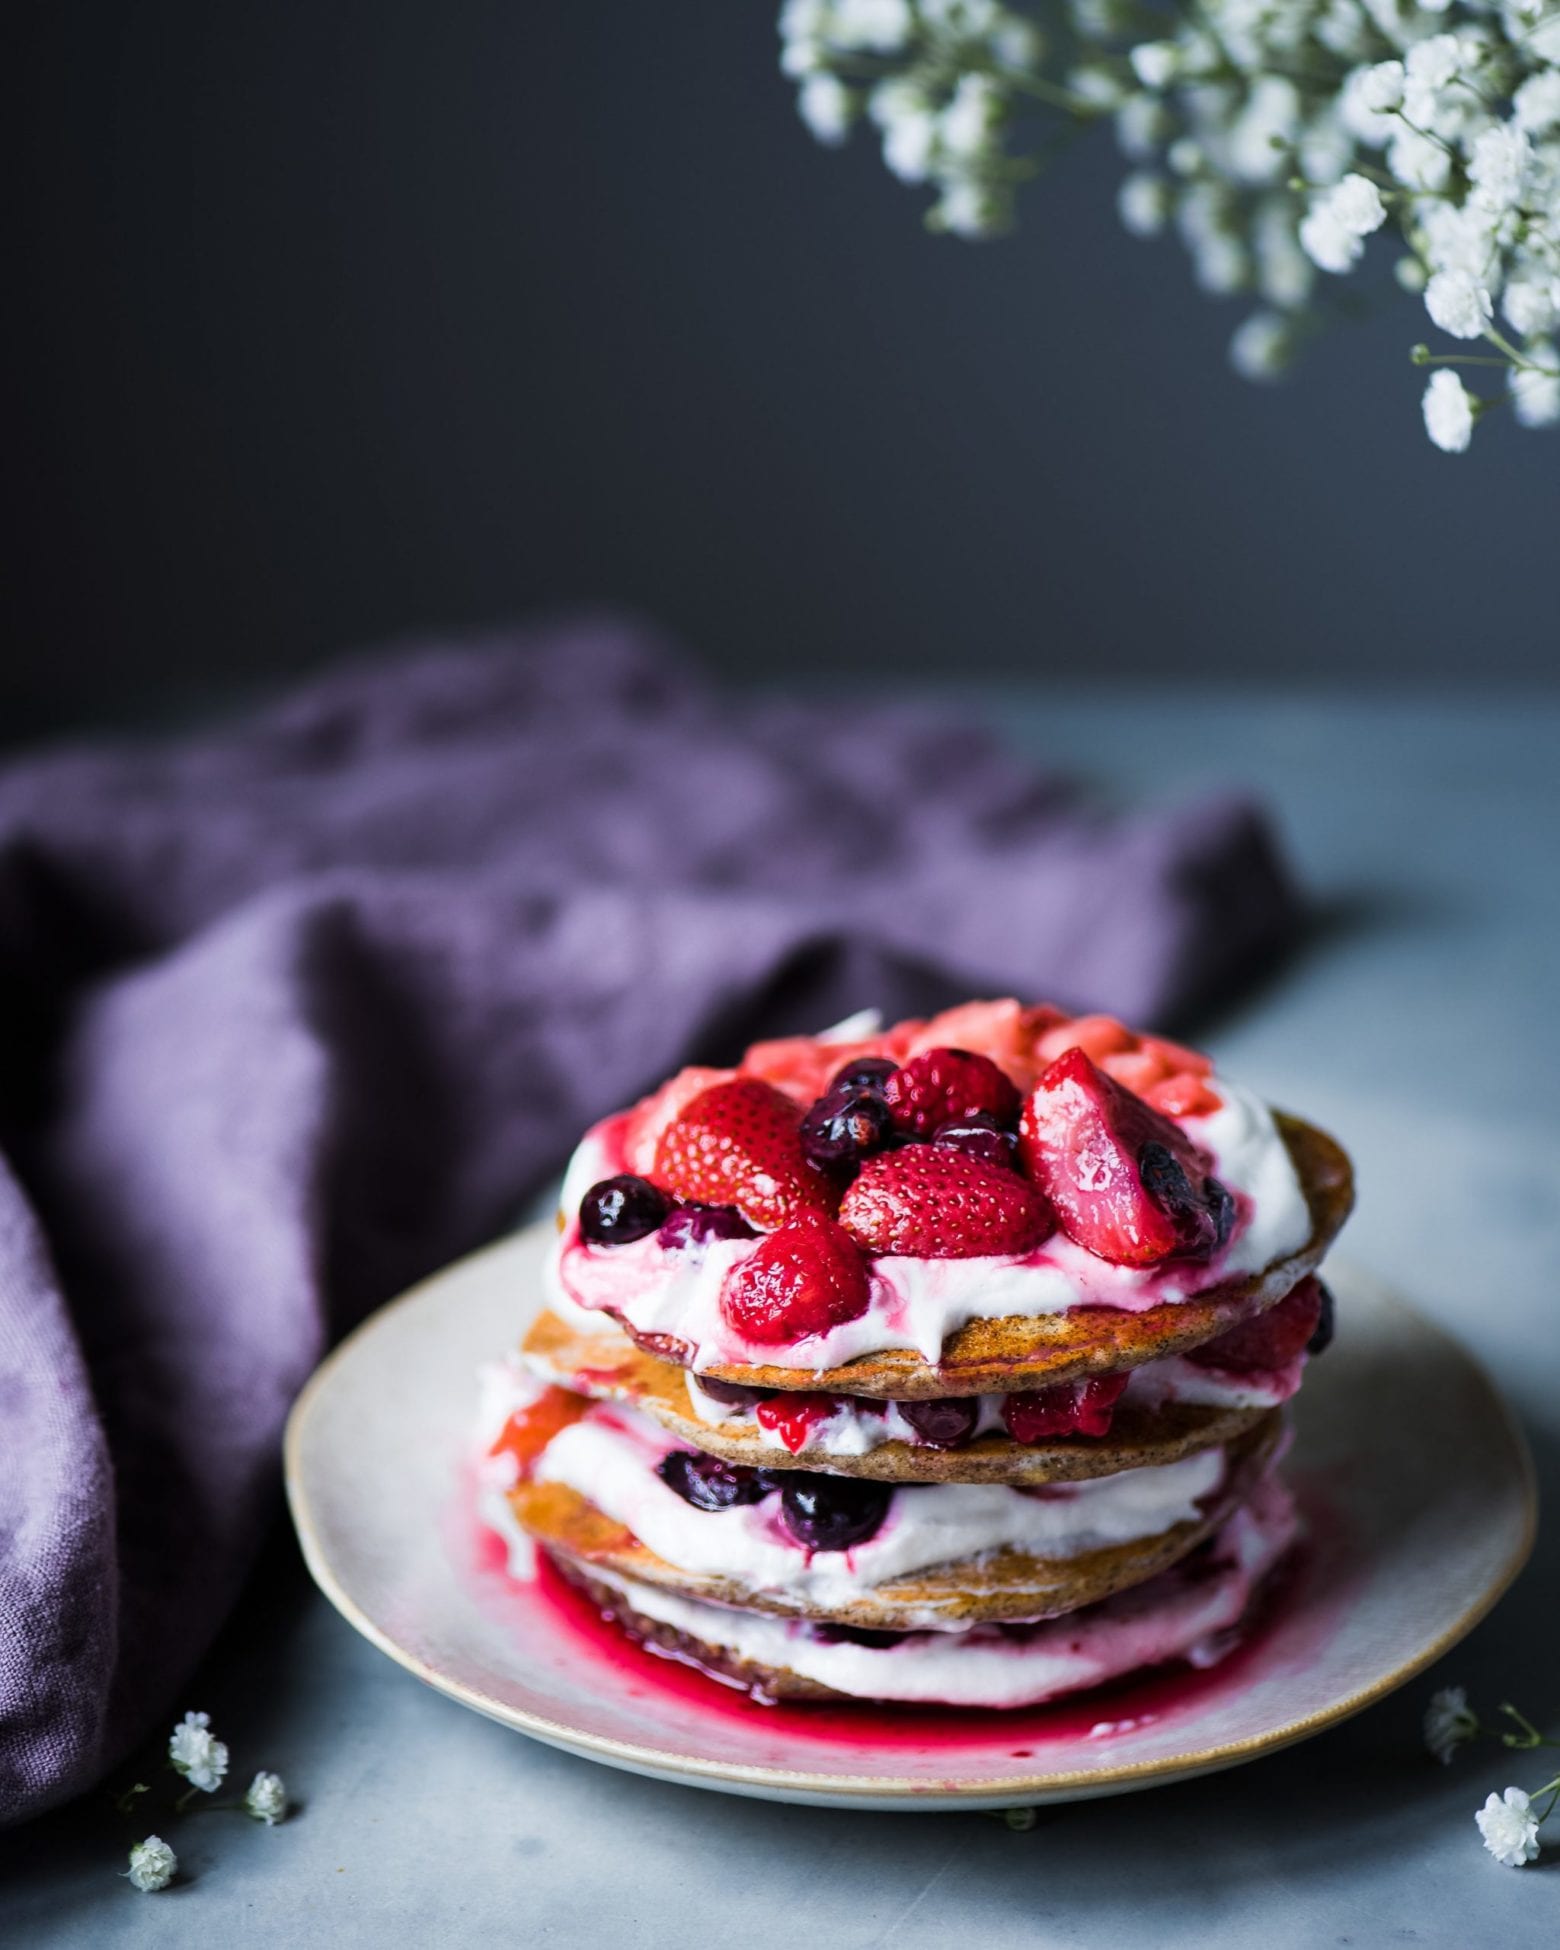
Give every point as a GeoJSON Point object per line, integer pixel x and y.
{"type": "Point", "coordinates": [937, 1203]}
{"type": "Point", "coordinates": [793, 1417]}
{"type": "Point", "coordinates": [1271, 1339]}
{"type": "Point", "coordinates": [739, 1143]}
{"type": "Point", "coordinates": [1126, 1182]}
{"type": "Point", "coordinates": [803, 1279]}
{"type": "Point", "coordinates": [1070, 1408]}
{"type": "Point", "coordinates": [1184, 1095]}
{"type": "Point", "coordinates": [1096, 1036]}
{"type": "Point", "coordinates": [940, 1085]}
{"type": "Point", "coordinates": [529, 1430]}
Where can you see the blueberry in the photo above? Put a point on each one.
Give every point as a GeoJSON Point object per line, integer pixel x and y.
{"type": "Point", "coordinates": [734, 1394]}
{"type": "Point", "coordinates": [1221, 1209]}
{"type": "Point", "coordinates": [620, 1209]}
{"type": "Point", "coordinates": [947, 1423]}
{"type": "Point", "coordinates": [865, 1073]}
{"type": "Point", "coordinates": [842, 1127]}
{"type": "Point", "coordinates": [978, 1136]}
{"type": "Point", "coordinates": [708, 1483]}
{"type": "Point", "coordinates": [1202, 1220]}
{"type": "Point", "coordinates": [696, 1225]}
{"type": "Point", "coordinates": [1321, 1340]}
{"type": "Point", "coordinates": [830, 1513]}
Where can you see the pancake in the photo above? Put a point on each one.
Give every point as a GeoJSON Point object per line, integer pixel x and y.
{"type": "Point", "coordinates": [1003, 1584]}
{"type": "Point", "coordinates": [1038, 1350]}
{"type": "Point", "coordinates": [1192, 1611]}
{"type": "Point", "coordinates": [607, 1366]}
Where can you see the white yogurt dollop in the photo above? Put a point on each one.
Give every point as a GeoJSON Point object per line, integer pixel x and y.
{"type": "Point", "coordinates": [611, 1455]}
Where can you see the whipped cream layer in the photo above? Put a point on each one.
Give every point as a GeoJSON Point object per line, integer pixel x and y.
{"type": "Point", "coordinates": [1185, 1613]}
{"type": "Point", "coordinates": [918, 1303]}
{"type": "Point", "coordinates": [611, 1455]}
{"type": "Point", "coordinates": [859, 1423]}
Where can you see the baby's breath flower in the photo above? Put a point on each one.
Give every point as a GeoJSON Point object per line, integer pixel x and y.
{"type": "Point", "coordinates": [880, 25]}
{"type": "Point", "coordinates": [824, 103]}
{"type": "Point", "coordinates": [1262, 347]}
{"type": "Point", "coordinates": [1536, 104]}
{"type": "Point", "coordinates": [1381, 87]}
{"type": "Point", "coordinates": [1155, 63]}
{"type": "Point", "coordinates": [1143, 202]}
{"type": "Point", "coordinates": [193, 1753]}
{"type": "Point", "coordinates": [266, 1798]}
{"type": "Point", "coordinates": [1531, 306]}
{"type": "Point", "coordinates": [1509, 1828]}
{"type": "Point", "coordinates": [1535, 388]}
{"type": "Point", "coordinates": [1448, 410]}
{"type": "Point", "coordinates": [1448, 1722]}
{"type": "Point", "coordinates": [152, 1865]}
{"type": "Point", "coordinates": [1280, 135]}
{"type": "Point", "coordinates": [1498, 165]}
{"type": "Point", "coordinates": [1458, 304]}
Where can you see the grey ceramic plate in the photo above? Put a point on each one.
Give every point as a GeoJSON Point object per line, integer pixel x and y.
{"type": "Point", "coordinates": [1416, 1485]}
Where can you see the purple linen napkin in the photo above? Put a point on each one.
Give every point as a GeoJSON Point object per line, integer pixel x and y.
{"type": "Point", "coordinates": [290, 1014]}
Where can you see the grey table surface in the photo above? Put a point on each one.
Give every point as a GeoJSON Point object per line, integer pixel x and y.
{"type": "Point", "coordinates": [1420, 1025]}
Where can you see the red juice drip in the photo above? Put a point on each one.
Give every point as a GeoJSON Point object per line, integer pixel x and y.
{"type": "Point", "coordinates": [1119, 1707]}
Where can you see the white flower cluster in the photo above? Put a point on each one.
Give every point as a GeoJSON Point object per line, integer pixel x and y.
{"type": "Point", "coordinates": [939, 80]}
{"type": "Point", "coordinates": [196, 1754]}
{"type": "Point", "coordinates": [1274, 136]}
{"type": "Point", "coordinates": [1509, 1822]}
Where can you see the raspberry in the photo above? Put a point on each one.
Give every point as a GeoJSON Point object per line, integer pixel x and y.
{"type": "Point", "coordinates": [942, 1085]}
{"type": "Point", "coordinates": [936, 1203]}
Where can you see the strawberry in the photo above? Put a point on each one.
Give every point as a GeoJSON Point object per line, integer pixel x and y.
{"type": "Point", "coordinates": [643, 1125]}
{"type": "Point", "coordinates": [937, 1203]}
{"type": "Point", "coordinates": [739, 1143]}
{"type": "Point", "coordinates": [1070, 1408]}
{"type": "Point", "coordinates": [940, 1085]}
{"type": "Point", "coordinates": [1274, 1338]}
{"type": "Point", "coordinates": [805, 1278]}
{"type": "Point", "coordinates": [1125, 1181]}
{"type": "Point", "coordinates": [795, 1415]}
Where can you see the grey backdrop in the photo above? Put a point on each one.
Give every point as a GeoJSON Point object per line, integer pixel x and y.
{"type": "Point", "coordinates": [341, 320]}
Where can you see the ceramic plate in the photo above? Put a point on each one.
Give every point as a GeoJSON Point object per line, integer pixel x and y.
{"type": "Point", "coordinates": [1416, 1486]}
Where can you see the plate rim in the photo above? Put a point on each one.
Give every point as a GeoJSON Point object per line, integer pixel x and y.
{"type": "Point", "coordinates": [900, 1791]}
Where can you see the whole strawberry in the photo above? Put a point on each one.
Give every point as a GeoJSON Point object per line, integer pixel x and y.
{"type": "Point", "coordinates": [942, 1085]}
{"type": "Point", "coordinates": [804, 1279]}
{"type": "Point", "coordinates": [739, 1143]}
{"type": "Point", "coordinates": [935, 1203]}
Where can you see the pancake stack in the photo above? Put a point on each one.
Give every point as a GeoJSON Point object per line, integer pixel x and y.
{"type": "Point", "coordinates": [939, 1363]}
